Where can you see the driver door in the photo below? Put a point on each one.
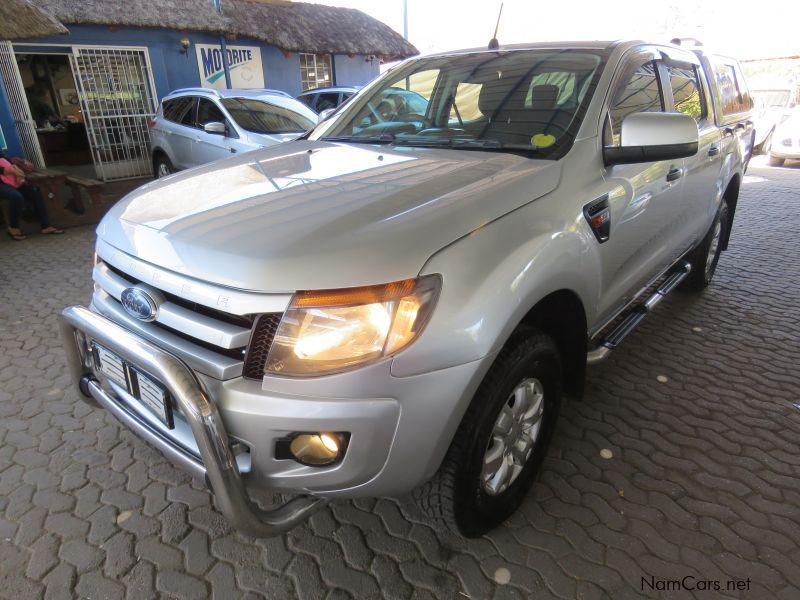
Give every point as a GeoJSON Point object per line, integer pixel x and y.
{"type": "Point", "coordinates": [209, 147]}
{"type": "Point", "coordinates": [644, 198]}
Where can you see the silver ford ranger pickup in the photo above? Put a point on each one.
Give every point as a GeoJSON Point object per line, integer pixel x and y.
{"type": "Point", "coordinates": [397, 302]}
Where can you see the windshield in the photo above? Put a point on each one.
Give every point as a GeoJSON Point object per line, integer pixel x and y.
{"type": "Point", "coordinates": [773, 98]}
{"type": "Point", "coordinates": [527, 100]}
{"type": "Point", "coordinates": [261, 116]}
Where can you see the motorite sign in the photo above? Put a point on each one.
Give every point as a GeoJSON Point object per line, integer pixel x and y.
{"type": "Point", "coordinates": [244, 63]}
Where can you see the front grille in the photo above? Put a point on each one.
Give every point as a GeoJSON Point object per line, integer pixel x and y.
{"type": "Point", "coordinates": [244, 338]}
{"type": "Point", "coordinates": [260, 342]}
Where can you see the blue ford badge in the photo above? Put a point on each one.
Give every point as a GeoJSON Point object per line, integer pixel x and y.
{"type": "Point", "coordinates": [139, 304]}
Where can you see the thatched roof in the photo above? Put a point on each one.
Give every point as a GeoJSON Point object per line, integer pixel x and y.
{"type": "Point", "coordinates": [290, 26]}
{"type": "Point", "coordinates": [21, 19]}
{"type": "Point", "coordinates": [303, 27]}
{"type": "Point", "coordinates": [183, 15]}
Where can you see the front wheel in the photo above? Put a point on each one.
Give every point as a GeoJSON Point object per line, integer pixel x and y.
{"type": "Point", "coordinates": [501, 441]}
{"type": "Point", "coordinates": [163, 166]}
{"type": "Point", "coordinates": [705, 257]}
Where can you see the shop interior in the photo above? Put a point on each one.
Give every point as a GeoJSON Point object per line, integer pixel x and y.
{"type": "Point", "coordinates": [53, 100]}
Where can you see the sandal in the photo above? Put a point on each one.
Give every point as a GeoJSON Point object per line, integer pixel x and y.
{"type": "Point", "coordinates": [17, 237]}
{"type": "Point", "coordinates": [52, 231]}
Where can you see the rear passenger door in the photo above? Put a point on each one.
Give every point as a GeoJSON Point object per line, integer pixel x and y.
{"type": "Point", "coordinates": [733, 106]}
{"type": "Point", "coordinates": [689, 95]}
{"type": "Point", "coordinates": [644, 198]}
{"type": "Point", "coordinates": [178, 130]}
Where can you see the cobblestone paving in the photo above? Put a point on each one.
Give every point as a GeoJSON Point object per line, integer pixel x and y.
{"type": "Point", "coordinates": [698, 409]}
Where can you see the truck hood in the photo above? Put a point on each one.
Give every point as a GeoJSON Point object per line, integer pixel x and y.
{"type": "Point", "coordinates": [317, 215]}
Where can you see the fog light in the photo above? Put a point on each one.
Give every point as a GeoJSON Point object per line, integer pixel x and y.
{"type": "Point", "coordinates": [316, 449]}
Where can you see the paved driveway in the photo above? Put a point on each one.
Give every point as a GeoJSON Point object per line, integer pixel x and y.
{"type": "Point", "coordinates": [699, 410]}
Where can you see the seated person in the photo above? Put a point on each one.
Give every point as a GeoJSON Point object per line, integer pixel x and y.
{"type": "Point", "coordinates": [14, 189]}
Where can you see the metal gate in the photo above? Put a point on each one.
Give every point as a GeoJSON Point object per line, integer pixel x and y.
{"type": "Point", "coordinates": [20, 111]}
{"type": "Point", "coordinates": [116, 92]}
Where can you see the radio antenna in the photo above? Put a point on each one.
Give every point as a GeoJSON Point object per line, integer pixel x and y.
{"type": "Point", "coordinates": [493, 43]}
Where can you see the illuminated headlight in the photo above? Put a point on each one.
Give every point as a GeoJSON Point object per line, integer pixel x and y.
{"type": "Point", "coordinates": [334, 330]}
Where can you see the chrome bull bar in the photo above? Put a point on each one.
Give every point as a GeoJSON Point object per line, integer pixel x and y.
{"type": "Point", "coordinates": [218, 465]}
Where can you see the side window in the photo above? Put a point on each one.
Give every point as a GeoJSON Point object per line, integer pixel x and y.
{"type": "Point", "coordinates": [465, 104]}
{"type": "Point", "coordinates": [686, 91]}
{"type": "Point", "coordinates": [734, 96]}
{"type": "Point", "coordinates": [307, 99]}
{"type": "Point", "coordinates": [327, 100]}
{"type": "Point", "coordinates": [188, 117]}
{"type": "Point", "coordinates": [176, 109]}
{"type": "Point", "coordinates": [208, 112]}
{"type": "Point", "coordinates": [639, 91]}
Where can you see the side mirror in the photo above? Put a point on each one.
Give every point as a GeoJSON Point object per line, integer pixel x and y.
{"type": "Point", "coordinates": [215, 127]}
{"type": "Point", "coordinates": [325, 114]}
{"type": "Point", "coordinates": [647, 137]}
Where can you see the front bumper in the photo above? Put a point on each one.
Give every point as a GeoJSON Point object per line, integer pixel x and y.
{"type": "Point", "coordinates": [215, 461]}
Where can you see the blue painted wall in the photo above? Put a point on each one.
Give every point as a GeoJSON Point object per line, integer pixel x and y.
{"type": "Point", "coordinates": [172, 70]}
{"type": "Point", "coordinates": [7, 123]}
{"type": "Point", "coordinates": [356, 70]}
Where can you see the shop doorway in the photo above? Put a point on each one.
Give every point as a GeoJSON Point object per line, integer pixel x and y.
{"type": "Point", "coordinates": [83, 110]}
{"type": "Point", "coordinates": [52, 97]}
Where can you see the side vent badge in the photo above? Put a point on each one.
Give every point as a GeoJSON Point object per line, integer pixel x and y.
{"type": "Point", "coordinates": [598, 215]}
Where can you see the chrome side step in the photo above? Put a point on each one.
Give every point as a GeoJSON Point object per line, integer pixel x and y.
{"type": "Point", "coordinates": [636, 315]}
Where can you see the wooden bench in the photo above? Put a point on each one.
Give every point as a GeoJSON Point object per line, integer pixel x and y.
{"type": "Point", "coordinates": [63, 213]}
{"type": "Point", "coordinates": [91, 211]}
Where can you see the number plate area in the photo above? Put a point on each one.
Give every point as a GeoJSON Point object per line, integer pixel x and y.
{"type": "Point", "coordinates": [149, 392]}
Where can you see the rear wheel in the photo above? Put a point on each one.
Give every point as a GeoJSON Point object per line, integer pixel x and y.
{"type": "Point", "coordinates": [163, 166]}
{"type": "Point", "coordinates": [501, 441]}
{"type": "Point", "coordinates": [774, 161]}
{"type": "Point", "coordinates": [705, 257]}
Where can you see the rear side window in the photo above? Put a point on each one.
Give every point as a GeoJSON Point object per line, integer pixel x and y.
{"type": "Point", "coordinates": [686, 91]}
{"type": "Point", "coordinates": [733, 95]}
{"type": "Point", "coordinates": [307, 99]}
{"type": "Point", "coordinates": [638, 92]}
{"type": "Point", "coordinates": [177, 108]}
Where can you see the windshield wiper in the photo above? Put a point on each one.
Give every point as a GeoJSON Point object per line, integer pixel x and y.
{"type": "Point", "coordinates": [384, 138]}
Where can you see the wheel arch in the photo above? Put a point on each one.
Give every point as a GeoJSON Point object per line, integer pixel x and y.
{"type": "Point", "coordinates": [562, 316]}
{"type": "Point", "coordinates": [731, 198]}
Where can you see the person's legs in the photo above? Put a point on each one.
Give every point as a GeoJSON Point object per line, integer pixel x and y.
{"type": "Point", "coordinates": [15, 200]}
{"type": "Point", "coordinates": [32, 195]}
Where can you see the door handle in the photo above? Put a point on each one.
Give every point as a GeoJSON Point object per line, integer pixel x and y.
{"type": "Point", "coordinates": [713, 151]}
{"type": "Point", "coordinates": [233, 150]}
{"type": "Point", "coordinates": [741, 126]}
{"type": "Point", "coordinates": [674, 174]}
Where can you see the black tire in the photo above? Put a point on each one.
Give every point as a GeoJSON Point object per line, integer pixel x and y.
{"type": "Point", "coordinates": [455, 497]}
{"type": "Point", "coordinates": [162, 166]}
{"type": "Point", "coordinates": [774, 161]}
{"type": "Point", "coordinates": [702, 271]}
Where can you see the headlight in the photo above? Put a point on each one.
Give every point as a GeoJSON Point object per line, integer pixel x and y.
{"type": "Point", "coordinates": [334, 330]}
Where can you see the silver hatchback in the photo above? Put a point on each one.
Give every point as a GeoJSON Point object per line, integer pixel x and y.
{"type": "Point", "coordinates": [194, 126]}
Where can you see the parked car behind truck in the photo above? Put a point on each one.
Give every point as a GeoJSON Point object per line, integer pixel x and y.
{"type": "Point", "coordinates": [400, 306]}
{"type": "Point", "coordinates": [194, 126]}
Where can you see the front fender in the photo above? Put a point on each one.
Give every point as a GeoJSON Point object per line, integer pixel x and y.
{"type": "Point", "coordinates": [492, 277]}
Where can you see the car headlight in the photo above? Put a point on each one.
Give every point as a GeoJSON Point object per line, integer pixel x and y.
{"type": "Point", "coordinates": [334, 330]}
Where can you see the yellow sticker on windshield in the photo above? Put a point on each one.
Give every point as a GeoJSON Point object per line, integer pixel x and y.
{"type": "Point", "coordinates": [543, 140]}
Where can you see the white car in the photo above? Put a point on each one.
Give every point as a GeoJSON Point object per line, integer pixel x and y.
{"type": "Point", "coordinates": [194, 126]}
{"type": "Point", "coordinates": [786, 140]}
{"type": "Point", "coordinates": [771, 107]}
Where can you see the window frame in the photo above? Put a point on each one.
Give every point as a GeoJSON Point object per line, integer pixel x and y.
{"type": "Point", "coordinates": [627, 66]}
{"type": "Point", "coordinates": [305, 80]}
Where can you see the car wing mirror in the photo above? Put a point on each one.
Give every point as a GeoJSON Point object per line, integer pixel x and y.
{"type": "Point", "coordinates": [648, 137]}
{"type": "Point", "coordinates": [215, 127]}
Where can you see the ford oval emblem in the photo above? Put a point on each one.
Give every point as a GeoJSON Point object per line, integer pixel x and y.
{"type": "Point", "coordinates": [139, 304]}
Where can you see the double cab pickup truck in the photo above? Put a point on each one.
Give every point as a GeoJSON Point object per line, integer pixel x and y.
{"type": "Point", "coordinates": [397, 302]}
